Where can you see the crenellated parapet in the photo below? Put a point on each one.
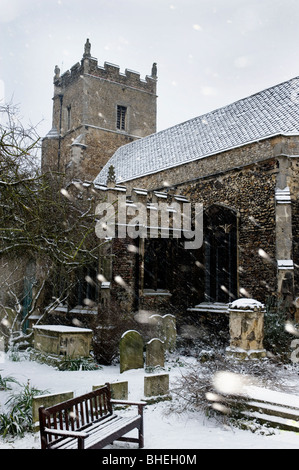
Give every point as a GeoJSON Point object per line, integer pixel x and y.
{"type": "Point", "coordinates": [89, 66]}
{"type": "Point", "coordinates": [96, 110]}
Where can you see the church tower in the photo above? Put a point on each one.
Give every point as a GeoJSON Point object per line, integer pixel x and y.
{"type": "Point", "coordinates": [96, 109]}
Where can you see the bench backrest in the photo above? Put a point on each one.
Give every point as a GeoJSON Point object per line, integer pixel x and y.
{"type": "Point", "coordinates": [75, 414]}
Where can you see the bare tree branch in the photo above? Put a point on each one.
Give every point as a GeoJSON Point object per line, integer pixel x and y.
{"type": "Point", "coordinates": [38, 222]}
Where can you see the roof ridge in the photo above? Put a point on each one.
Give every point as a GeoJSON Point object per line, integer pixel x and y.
{"type": "Point", "coordinates": [234, 102]}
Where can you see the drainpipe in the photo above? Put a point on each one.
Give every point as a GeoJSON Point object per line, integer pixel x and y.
{"type": "Point", "coordinates": [60, 124]}
{"type": "Point", "coordinates": [137, 280]}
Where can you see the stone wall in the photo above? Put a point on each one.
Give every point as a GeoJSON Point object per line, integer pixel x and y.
{"type": "Point", "coordinates": [244, 179]}
{"type": "Point", "coordinates": [250, 192]}
{"type": "Point", "coordinates": [293, 183]}
{"type": "Point", "coordinates": [213, 165]}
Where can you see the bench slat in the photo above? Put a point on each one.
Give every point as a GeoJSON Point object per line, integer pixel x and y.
{"type": "Point", "coordinates": [61, 432]}
{"type": "Point", "coordinates": [86, 411]}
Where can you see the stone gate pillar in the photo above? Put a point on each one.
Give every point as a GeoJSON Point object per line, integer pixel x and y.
{"type": "Point", "coordinates": [246, 326]}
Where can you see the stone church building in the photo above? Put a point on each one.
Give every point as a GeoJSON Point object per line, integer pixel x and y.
{"type": "Point", "coordinates": [240, 162]}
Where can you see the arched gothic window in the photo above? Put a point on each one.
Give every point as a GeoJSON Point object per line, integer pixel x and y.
{"type": "Point", "coordinates": [220, 253]}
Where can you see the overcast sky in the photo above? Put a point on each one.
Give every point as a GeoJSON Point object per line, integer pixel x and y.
{"type": "Point", "coordinates": [209, 52]}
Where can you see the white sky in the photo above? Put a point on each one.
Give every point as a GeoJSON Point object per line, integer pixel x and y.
{"type": "Point", "coordinates": [209, 52]}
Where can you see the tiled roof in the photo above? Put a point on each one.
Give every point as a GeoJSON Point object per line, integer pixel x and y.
{"type": "Point", "coordinates": [270, 112]}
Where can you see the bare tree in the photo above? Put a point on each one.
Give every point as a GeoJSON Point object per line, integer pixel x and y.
{"type": "Point", "coordinates": [40, 219]}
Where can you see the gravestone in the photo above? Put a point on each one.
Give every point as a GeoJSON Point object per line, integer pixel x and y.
{"type": "Point", "coordinates": [156, 321]}
{"type": "Point", "coordinates": [46, 401]}
{"type": "Point", "coordinates": [165, 329]}
{"type": "Point", "coordinates": [131, 351]}
{"type": "Point", "coordinates": [119, 390]}
{"type": "Point", "coordinates": [154, 354]}
{"type": "Point", "coordinates": [156, 385]}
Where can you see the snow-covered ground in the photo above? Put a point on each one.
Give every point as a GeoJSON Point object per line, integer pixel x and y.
{"type": "Point", "coordinates": [163, 430]}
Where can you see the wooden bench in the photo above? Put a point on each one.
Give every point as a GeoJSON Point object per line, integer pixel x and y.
{"type": "Point", "coordinates": [88, 422]}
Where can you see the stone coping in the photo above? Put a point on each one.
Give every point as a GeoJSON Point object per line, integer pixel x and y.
{"type": "Point", "coordinates": [246, 304]}
{"type": "Point", "coordinates": [62, 328]}
{"type": "Point", "coordinates": [214, 307]}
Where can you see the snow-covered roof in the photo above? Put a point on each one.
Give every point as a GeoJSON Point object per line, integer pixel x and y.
{"type": "Point", "coordinates": [271, 112]}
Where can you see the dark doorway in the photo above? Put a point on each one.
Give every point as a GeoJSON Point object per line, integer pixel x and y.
{"type": "Point", "coordinates": [157, 263]}
{"type": "Point", "coordinates": [220, 252]}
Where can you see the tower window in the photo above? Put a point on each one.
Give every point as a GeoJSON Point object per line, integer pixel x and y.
{"type": "Point", "coordinates": [121, 117]}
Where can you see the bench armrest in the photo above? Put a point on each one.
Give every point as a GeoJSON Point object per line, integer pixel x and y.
{"type": "Point", "coordinates": [126, 402]}
{"type": "Point", "coordinates": [64, 433]}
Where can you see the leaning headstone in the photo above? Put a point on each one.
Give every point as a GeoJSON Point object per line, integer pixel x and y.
{"type": "Point", "coordinates": [156, 321]}
{"type": "Point", "coordinates": [154, 354]}
{"type": "Point", "coordinates": [131, 351]}
{"type": "Point", "coordinates": [165, 329]}
{"type": "Point", "coordinates": [156, 385]}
